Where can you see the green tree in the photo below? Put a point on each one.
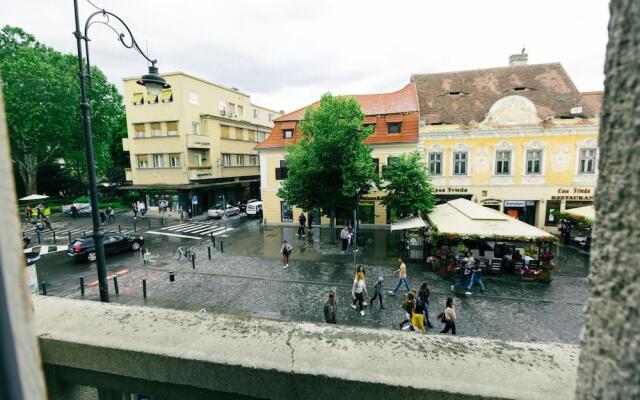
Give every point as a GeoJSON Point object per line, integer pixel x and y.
{"type": "Point", "coordinates": [41, 91]}
{"type": "Point", "coordinates": [408, 187]}
{"type": "Point", "coordinates": [330, 165]}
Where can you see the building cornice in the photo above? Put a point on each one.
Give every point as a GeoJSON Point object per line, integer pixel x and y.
{"type": "Point", "coordinates": [235, 121]}
{"type": "Point", "coordinates": [510, 132]}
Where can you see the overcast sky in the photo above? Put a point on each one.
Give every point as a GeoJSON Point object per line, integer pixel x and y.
{"type": "Point", "coordinates": [286, 53]}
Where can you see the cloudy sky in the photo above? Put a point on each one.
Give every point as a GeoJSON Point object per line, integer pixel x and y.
{"type": "Point", "coordinates": [286, 53]}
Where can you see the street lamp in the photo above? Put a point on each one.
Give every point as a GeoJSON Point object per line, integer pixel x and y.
{"type": "Point", "coordinates": [154, 84]}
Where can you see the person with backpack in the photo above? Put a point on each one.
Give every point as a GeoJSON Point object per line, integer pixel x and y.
{"type": "Point", "coordinates": [423, 302]}
{"type": "Point", "coordinates": [358, 291]}
{"type": "Point", "coordinates": [302, 221]}
{"type": "Point", "coordinates": [378, 289]}
{"type": "Point", "coordinates": [330, 310]}
{"type": "Point", "coordinates": [408, 305]}
{"type": "Point", "coordinates": [286, 250]}
{"type": "Point", "coordinates": [448, 317]}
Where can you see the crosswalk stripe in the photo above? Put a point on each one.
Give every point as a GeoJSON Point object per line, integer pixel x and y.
{"type": "Point", "coordinates": [194, 229]}
{"type": "Point", "coordinates": [175, 226]}
{"type": "Point", "coordinates": [207, 232]}
{"type": "Point", "coordinates": [173, 234]}
{"type": "Point", "coordinates": [223, 231]}
{"type": "Point", "coordinates": [201, 230]}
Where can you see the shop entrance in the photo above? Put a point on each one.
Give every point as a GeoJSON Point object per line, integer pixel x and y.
{"type": "Point", "coordinates": [523, 210]}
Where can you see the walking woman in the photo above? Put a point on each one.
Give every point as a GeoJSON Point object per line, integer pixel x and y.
{"type": "Point", "coordinates": [358, 291]}
{"type": "Point", "coordinates": [449, 317]}
{"type": "Point", "coordinates": [417, 320]}
{"type": "Point", "coordinates": [423, 302]}
{"type": "Point", "coordinates": [408, 305]}
{"type": "Point", "coordinates": [286, 251]}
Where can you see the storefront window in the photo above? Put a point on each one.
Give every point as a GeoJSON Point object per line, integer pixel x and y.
{"type": "Point", "coordinates": [286, 212]}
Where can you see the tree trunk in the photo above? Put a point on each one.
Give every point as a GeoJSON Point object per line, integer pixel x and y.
{"type": "Point", "coordinates": [28, 170]}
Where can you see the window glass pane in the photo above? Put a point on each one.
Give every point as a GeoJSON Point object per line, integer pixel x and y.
{"type": "Point", "coordinates": [195, 128]}
{"type": "Point", "coordinates": [158, 160]}
{"type": "Point", "coordinates": [287, 133]}
{"type": "Point", "coordinates": [155, 129]}
{"type": "Point", "coordinates": [172, 128]}
{"type": "Point", "coordinates": [393, 128]}
{"type": "Point", "coordinates": [224, 131]}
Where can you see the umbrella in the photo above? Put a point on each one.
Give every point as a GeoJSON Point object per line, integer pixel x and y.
{"type": "Point", "coordinates": [35, 197]}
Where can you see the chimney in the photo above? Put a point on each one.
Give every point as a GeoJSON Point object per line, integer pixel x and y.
{"type": "Point", "coordinates": [518, 59]}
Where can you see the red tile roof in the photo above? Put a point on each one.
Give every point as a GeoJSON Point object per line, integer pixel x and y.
{"type": "Point", "coordinates": [592, 102]}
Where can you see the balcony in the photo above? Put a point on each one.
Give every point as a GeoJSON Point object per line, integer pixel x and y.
{"type": "Point", "coordinates": [198, 142]}
{"type": "Point", "coordinates": [201, 172]}
{"type": "Point", "coordinates": [173, 354]}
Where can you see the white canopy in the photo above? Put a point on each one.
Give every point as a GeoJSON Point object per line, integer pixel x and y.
{"type": "Point", "coordinates": [35, 197]}
{"type": "Point", "coordinates": [464, 217]}
{"type": "Point", "coordinates": [586, 211]}
{"type": "Point", "coordinates": [408, 223]}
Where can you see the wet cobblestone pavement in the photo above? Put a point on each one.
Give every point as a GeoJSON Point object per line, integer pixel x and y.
{"type": "Point", "coordinates": [248, 279]}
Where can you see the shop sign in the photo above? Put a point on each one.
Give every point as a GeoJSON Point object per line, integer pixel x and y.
{"type": "Point", "coordinates": [450, 190]}
{"type": "Point", "coordinates": [531, 203]}
{"type": "Point", "coordinates": [515, 203]}
{"type": "Point", "coordinates": [573, 194]}
{"type": "Point", "coordinates": [373, 197]}
{"type": "Point", "coordinates": [491, 202]}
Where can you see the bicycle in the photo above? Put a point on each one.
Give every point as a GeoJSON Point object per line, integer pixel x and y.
{"type": "Point", "coordinates": [185, 252]}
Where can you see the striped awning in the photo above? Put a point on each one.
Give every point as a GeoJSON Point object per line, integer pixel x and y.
{"type": "Point", "coordinates": [138, 98]}
{"type": "Point", "coordinates": [165, 96]}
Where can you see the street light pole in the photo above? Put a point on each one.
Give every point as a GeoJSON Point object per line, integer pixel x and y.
{"type": "Point", "coordinates": [154, 83]}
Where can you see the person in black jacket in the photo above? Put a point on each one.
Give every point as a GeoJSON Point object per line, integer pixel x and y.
{"type": "Point", "coordinates": [423, 301]}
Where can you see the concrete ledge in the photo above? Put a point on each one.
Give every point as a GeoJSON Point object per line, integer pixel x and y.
{"type": "Point", "coordinates": [123, 347]}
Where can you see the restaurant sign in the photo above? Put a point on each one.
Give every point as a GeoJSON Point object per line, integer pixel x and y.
{"type": "Point", "coordinates": [450, 190]}
{"type": "Point", "coordinates": [573, 194]}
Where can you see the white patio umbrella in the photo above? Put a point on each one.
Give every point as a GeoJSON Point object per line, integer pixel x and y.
{"type": "Point", "coordinates": [34, 197]}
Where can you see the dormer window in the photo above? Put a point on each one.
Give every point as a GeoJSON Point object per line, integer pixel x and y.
{"type": "Point", "coordinates": [287, 134]}
{"type": "Point", "coordinates": [393, 127]}
{"type": "Point", "coordinates": [520, 89]}
{"type": "Point", "coordinates": [456, 93]}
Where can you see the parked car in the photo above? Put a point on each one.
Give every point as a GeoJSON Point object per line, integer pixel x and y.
{"type": "Point", "coordinates": [243, 204]}
{"type": "Point", "coordinates": [217, 211]}
{"type": "Point", "coordinates": [85, 249]}
{"type": "Point", "coordinates": [254, 209]}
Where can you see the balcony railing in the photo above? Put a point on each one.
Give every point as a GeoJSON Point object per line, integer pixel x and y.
{"type": "Point", "coordinates": [198, 142]}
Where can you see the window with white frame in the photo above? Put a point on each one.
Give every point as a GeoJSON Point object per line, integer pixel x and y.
{"type": "Point", "coordinates": [194, 98]}
{"type": "Point", "coordinates": [240, 111]}
{"type": "Point", "coordinates": [534, 161]}
{"type": "Point", "coordinates": [174, 160]}
{"type": "Point", "coordinates": [158, 160]}
{"type": "Point", "coordinates": [503, 162]}
{"type": "Point", "coordinates": [222, 107]}
{"type": "Point", "coordinates": [195, 127]}
{"type": "Point", "coordinates": [253, 160]}
{"type": "Point", "coordinates": [139, 128]}
{"type": "Point", "coordinates": [240, 160]}
{"type": "Point", "coordinates": [232, 108]}
{"type": "Point", "coordinates": [172, 128]}
{"type": "Point", "coordinates": [156, 129]}
{"type": "Point", "coordinates": [226, 160]}
{"type": "Point", "coordinates": [587, 161]}
{"type": "Point", "coordinates": [460, 162]}
{"type": "Point", "coordinates": [435, 163]}
{"type": "Point", "coordinates": [262, 136]}
{"type": "Point", "coordinates": [143, 161]}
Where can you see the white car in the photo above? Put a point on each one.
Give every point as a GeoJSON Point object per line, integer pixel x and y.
{"type": "Point", "coordinates": [217, 211]}
{"type": "Point", "coordinates": [254, 209]}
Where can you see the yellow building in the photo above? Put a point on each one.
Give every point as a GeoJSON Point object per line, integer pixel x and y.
{"type": "Point", "coordinates": [520, 139]}
{"type": "Point", "coordinates": [194, 143]}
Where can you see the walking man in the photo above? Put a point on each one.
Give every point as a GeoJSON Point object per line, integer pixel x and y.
{"type": "Point", "coordinates": [402, 277]}
{"type": "Point", "coordinates": [110, 214]}
{"type": "Point", "coordinates": [330, 310]}
{"type": "Point", "coordinates": [302, 221]}
{"type": "Point", "coordinates": [476, 277]}
{"type": "Point", "coordinates": [345, 235]}
{"type": "Point", "coordinates": [378, 289]}
{"type": "Point", "coordinates": [74, 211]}
{"type": "Point", "coordinates": [465, 273]}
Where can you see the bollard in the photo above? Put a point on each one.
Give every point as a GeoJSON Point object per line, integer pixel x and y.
{"type": "Point", "coordinates": [222, 246]}
{"type": "Point", "coordinates": [119, 229]}
{"type": "Point", "coordinates": [54, 238]}
{"type": "Point", "coordinates": [115, 284]}
{"type": "Point", "coordinates": [38, 233]}
{"type": "Point", "coordinates": [135, 226]}
{"type": "Point", "coordinates": [44, 288]}
{"type": "Point", "coordinates": [213, 239]}
{"type": "Point", "coordinates": [209, 251]}
{"type": "Point", "coordinates": [69, 234]}
{"type": "Point", "coordinates": [84, 234]}
{"type": "Point", "coordinates": [193, 260]}
{"type": "Point", "coordinates": [149, 221]}
{"type": "Point", "coordinates": [82, 286]}
{"type": "Point", "coordinates": [172, 276]}
{"type": "Point", "coordinates": [144, 288]}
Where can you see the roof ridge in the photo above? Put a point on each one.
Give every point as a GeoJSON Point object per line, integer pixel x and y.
{"type": "Point", "coordinates": [484, 69]}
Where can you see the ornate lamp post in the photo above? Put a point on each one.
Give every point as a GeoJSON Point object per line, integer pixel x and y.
{"type": "Point", "coordinates": [154, 84]}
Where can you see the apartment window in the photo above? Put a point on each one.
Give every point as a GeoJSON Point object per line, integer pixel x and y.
{"type": "Point", "coordinates": [253, 160]}
{"type": "Point", "coordinates": [587, 161]}
{"type": "Point", "coordinates": [151, 99]}
{"type": "Point", "coordinates": [166, 96]}
{"type": "Point", "coordinates": [282, 172]}
{"type": "Point", "coordinates": [252, 135]}
{"type": "Point", "coordinates": [172, 128]}
{"type": "Point", "coordinates": [194, 98]}
{"type": "Point", "coordinates": [240, 111]}
{"type": "Point", "coordinates": [195, 127]}
{"type": "Point", "coordinates": [435, 163]}
{"type": "Point", "coordinates": [174, 160]}
{"type": "Point", "coordinates": [393, 128]}
{"type": "Point", "coordinates": [503, 158]}
{"type": "Point", "coordinates": [138, 99]}
{"type": "Point", "coordinates": [287, 134]}
{"type": "Point", "coordinates": [158, 160]}
{"type": "Point", "coordinates": [200, 159]}
{"type": "Point", "coordinates": [226, 160]}
{"type": "Point", "coordinates": [222, 107]}
{"type": "Point", "coordinates": [232, 108]}
{"type": "Point", "coordinates": [240, 160]}
{"type": "Point", "coordinates": [460, 163]}
{"type": "Point", "coordinates": [224, 132]}
{"type": "Point", "coordinates": [156, 130]}
{"type": "Point", "coordinates": [376, 161]}
{"type": "Point", "coordinates": [534, 161]}
{"type": "Point", "coordinates": [143, 161]}
{"type": "Point", "coordinates": [262, 136]}
{"type": "Point", "coordinates": [139, 129]}
{"type": "Point", "coordinates": [240, 133]}
{"type": "Point", "coordinates": [256, 114]}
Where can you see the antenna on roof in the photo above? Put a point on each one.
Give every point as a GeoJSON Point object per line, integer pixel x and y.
{"type": "Point", "coordinates": [523, 49]}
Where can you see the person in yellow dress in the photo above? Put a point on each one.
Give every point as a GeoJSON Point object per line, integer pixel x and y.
{"type": "Point", "coordinates": [417, 319]}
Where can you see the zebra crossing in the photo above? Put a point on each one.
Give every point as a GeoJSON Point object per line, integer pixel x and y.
{"type": "Point", "coordinates": [42, 250]}
{"type": "Point", "coordinates": [189, 229]}
{"type": "Point", "coordinates": [63, 233]}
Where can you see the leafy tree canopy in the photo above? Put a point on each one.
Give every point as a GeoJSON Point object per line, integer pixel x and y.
{"type": "Point", "coordinates": [408, 188]}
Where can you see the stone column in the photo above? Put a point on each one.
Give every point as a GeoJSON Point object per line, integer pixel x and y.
{"type": "Point", "coordinates": [610, 355]}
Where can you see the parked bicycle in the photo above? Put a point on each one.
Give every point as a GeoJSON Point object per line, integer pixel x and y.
{"type": "Point", "coordinates": [185, 252]}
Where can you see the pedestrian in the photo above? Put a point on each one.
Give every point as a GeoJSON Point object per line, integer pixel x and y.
{"type": "Point", "coordinates": [47, 223]}
{"type": "Point", "coordinates": [39, 211]}
{"type": "Point", "coordinates": [27, 213]}
{"type": "Point", "coordinates": [330, 310]}
{"type": "Point", "coordinates": [378, 289]}
{"type": "Point", "coordinates": [417, 319]}
{"type": "Point", "coordinates": [302, 221]}
{"type": "Point", "coordinates": [103, 216]}
{"type": "Point", "coordinates": [309, 220]}
{"type": "Point", "coordinates": [142, 208]}
{"type": "Point", "coordinates": [74, 211]}
{"type": "Point", "coordinates": [423, 301]}
{"type": "Point", "coordinates": [286, 250]}
{"type": "Point", "coordinates": [39, 226]}
{"type": "Point", "coordinates": [476, 277]}
{"type": "Point", "coordinates": [345, 235]}
{"type": "Point", "coordinates": [134, 208]}
{"type": "Point", "coordinates": [110, 214]}
{"type": "Point", "coordinates": [358, 291]}
{"type": "Point", "coordinates": [190, 213]}
{"type": "Point", "coordinates": [465, 273]}
{"type": "Point", "coordinates": [359, 269]}
{"type": "Point", "coordinates": [449, 317]}
{"type": "Point", "coordinates": [402, 277]}
{"type": "Point", "coordinates": [146, 256]}
{"type": "Point", "coordinates": [408, 305]}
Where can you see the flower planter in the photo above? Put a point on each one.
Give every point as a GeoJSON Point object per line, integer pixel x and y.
{"type": "Point", "coordinates": [544, 277]}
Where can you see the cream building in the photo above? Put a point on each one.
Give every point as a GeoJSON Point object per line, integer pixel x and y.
{"type": "Point", "coordinates": [520, 139]}
{"type": "Point", "coordinates": [194, 143]}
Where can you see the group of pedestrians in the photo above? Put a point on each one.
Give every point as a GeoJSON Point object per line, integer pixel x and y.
{"type": "Point", "coordinates": [38, 216]}
{"type": "Point", "coordinates": [108, 214]}
{"type": "Point", "coordinates": [138, 208]}
{"type": "Point", "coordinates": [470, 273]}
